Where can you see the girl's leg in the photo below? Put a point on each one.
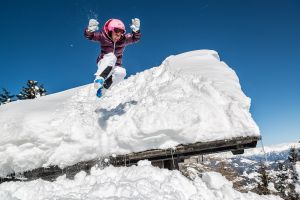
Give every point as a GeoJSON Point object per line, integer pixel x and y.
{"type": "Point", "coordinates": [118, 74]}
{"type": "Point", "coordinates": [105, 66]}
{"type": "Point", "coordinates": [108, 60]}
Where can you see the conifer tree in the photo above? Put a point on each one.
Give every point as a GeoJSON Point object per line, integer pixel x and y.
{"type": "Point", "coordinates": [5, 97]}
{"type": "Point", "coordinates": [293, 158]}
{"type": "Point", "coordinates": [262, 187]}
{"type": "Point", "coordinates": [32, 91]}
{"type": "Point", "coordinates": [281, 180]}
{"type": "Point", "coordinates": [293, 155]}
{"type": "Point", "coordinates": [42, 91]}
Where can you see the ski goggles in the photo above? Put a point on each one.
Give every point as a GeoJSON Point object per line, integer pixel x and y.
{"type": "Point", "coordinates": [118, 30]}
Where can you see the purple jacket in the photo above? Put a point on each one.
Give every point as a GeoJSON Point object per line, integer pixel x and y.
{"type": "Point", "coordinates": [107, 45]}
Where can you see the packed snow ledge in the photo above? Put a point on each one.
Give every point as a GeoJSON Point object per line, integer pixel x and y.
{"type": "Point", "coordinates": [142, 182]}
{"type": "Point", "coordinates": [190, 97]}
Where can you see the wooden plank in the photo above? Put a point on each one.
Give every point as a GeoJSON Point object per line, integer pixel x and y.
{"type": "Point", "coordinates": [167, 158]}
{"type": "Point", "coordinates": [188, 150]}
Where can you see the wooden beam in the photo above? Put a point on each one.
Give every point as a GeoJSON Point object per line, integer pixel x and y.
{"type": "Point", "coordinates": [167, 158]}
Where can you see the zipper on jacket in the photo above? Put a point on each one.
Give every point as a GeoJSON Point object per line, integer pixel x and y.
{"type": "Point", "coordinates": [114, 47]}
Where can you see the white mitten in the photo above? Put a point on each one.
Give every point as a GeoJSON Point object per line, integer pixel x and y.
{"type": "Point", "coordinates": [135, 25]}
{"type": "Point", "coordinates": [93, 25]}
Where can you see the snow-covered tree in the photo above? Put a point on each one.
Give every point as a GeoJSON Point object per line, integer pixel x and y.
{"type": "Point", "coordinates": [293, 176]}
{"type": "Point", "coordinates": [5, 97]}
{"type": "Point", "coordinates": [32, 91]}
{"type": "Point", "coordinates": [293, 155]}
{"type": "Point", "coordinates": [262, 186]}
{"type": "Point", "coordinates": [281, 180]}
{"type": "Point", "coordinates": [42, 90]}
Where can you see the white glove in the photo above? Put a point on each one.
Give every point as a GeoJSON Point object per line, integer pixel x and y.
{"type": "Point", "coordinates": [93, 25]}
{"type": "Point", "coordinates": [135, 25]}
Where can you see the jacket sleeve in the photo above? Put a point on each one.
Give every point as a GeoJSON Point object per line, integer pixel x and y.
{"type": "Point", "coordinates": [95, 36]}
{"type": "Point", "coordinates": [133, 37]}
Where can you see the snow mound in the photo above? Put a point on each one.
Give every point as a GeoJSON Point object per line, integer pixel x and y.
{"type": "Point", "coordinates": [136, 182]}
{"type": "Point", "coordinates": [215, 180]}
{"type": "Point", "coordinates": [191, 97]}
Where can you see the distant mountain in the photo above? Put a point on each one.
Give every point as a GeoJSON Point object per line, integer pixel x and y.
{"type": "Point", "coordinates": [242, 170]}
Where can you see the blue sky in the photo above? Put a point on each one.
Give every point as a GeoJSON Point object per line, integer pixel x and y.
{"type": "Point", "coordinates": [259, 39]}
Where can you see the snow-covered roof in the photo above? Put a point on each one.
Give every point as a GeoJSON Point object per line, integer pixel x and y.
{"type": "Point", "coordinates": [191, 97]}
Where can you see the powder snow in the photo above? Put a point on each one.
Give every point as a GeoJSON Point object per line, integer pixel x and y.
{"type": "Point", "coordinates": [191, 97]}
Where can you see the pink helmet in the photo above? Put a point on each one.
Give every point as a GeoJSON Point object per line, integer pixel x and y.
{"type": "Point", "coordinates": [111, 24]}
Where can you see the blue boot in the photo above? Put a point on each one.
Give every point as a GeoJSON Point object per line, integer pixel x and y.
{"type": "Point", "coordinates": [99, 92]}
{"type": "Point", "coordinates": [98, 84]}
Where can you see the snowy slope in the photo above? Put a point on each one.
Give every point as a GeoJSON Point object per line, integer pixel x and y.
{"type": "Point", "coordinates": [136, 182]}
{"type": "Point", "coordinates": [190, 97]}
